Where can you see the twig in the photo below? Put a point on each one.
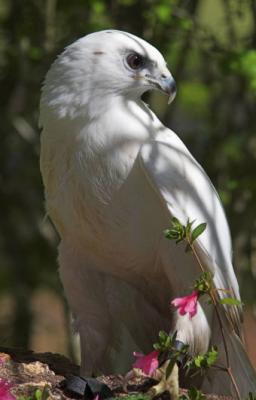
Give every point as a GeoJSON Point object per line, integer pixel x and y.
{"type": "Point", "coordinates": [228, 369]}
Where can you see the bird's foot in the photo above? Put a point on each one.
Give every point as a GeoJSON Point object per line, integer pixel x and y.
{"type": "Point", "coordinates": [169, 383]}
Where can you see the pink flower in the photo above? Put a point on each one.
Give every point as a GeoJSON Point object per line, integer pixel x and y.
{"type": "Point", "coordinates": [187, 304]}
{"type": "Point", "coordinates": [5, 390]}
{"type": "Point", "coordinates": [147, 363]}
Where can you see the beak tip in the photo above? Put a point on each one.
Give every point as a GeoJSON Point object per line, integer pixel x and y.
{"type": "Point", "coordinates": [170, 99]}
{"type": "Point", "coordinates": [172, 96]}
{"type": "Point", "coordinates": [169, 87]}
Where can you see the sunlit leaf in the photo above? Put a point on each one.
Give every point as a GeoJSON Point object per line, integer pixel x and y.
{"type": "Point", "coordinates": [198, 231]}
{"type": "Point", "coordinates": [230, 301]}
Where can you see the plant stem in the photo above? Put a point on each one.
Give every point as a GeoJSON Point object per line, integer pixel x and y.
{"type": "Point", "coordinates": [195, 254]}
{"type": "Point", "coordinates": [229, 371]}
{"type": "Point", "coordinates": [215, 304]}
{"type": "Point", "coordinates": [222, 332]}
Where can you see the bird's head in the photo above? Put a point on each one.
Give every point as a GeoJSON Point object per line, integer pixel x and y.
{"type": "Point", "coordinates": [106, 63]}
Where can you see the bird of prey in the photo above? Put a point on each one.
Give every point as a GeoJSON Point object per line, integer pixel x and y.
{"type": "Point", "coordinates": [114, 176]}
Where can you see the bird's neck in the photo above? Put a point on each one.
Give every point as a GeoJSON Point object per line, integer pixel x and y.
{"type": "Point", "coordinates": [101, 119]}
{"type": "Point", "coordinates": [99, 105]}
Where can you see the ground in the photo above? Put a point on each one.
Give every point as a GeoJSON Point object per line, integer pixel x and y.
{"type": "Point", "coordinates": [27, 371]}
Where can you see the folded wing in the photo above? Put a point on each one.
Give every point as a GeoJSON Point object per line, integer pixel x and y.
{"type": "Point", "coordinates": [186, 191]}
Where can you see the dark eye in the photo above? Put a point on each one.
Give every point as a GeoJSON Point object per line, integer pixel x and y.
{"type": "Point", "coordinates": [135, 61]}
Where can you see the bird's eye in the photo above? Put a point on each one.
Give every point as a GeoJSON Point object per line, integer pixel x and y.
{"type": "Point", "coordinates": [135, 61]}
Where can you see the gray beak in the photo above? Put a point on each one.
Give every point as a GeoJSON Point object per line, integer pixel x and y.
{"type": "Point", "coordinates": [168, 86]}
{"type": "Point", "coordinates": [165, 83]}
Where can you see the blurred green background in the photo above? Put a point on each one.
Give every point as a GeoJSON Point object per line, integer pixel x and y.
{"type": "Point", "coordinates": [210, 46]}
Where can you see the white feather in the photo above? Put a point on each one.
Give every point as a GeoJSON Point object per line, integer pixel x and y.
{"type": "Point", "coordinates": [114, 176]}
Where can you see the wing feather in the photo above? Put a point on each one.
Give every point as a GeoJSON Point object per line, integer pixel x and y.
{"type": "Point", "coordinates": [185, 189]}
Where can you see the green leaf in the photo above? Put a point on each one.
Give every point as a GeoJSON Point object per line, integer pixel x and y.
{"type": "Point", "coordinates": [171, 234]}
{"type": "Point", "coordinates": [162, 334]}
{"type": "Point", "coordinates": [139, 396]}
{"type": "Point", "coordinates": [198, 231]}
{"type": "Point", "coordinates": [38, 394]}
{"type": "Point", "coordinates": [164, 343]}
{"type": "Point", "coordinates": [204, 282]}
{"type": "Point", "coordinates": [199, 361]}
{"type": "Point", "coordinates": [212, 356]}
{"type": "Point", "coordinates": [183, 397]}
{"type": "Point", "coordinates": [175, 221]}
{"type": "Point", "coordinates": [169, 368]}
{"type": "Point", "coordinates": [174, 336]}
{"type": "Point", "coordinates": [176, 232]}
{"type": "Point", "coordinates": [230, 301]}
{"type": "Point", "coordinates": [24, 398]}
{"type": "Point", "coordinates": [167, 347]}
{"type": "Point", "coordinates": [189, 226]}
{"type": "Point", "coordinates": [195, 394]}
{"type": "Point", "coordinates": [204, 361]}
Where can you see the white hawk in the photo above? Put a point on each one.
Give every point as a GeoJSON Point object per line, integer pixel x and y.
{"type": "Point", "coordinates": [114, 176]}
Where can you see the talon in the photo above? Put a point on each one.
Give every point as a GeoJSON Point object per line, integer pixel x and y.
{"type": "Point", "coordinates": [171, 384]}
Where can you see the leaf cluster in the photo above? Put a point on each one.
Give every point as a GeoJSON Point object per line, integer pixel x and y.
{"type": "Point", "coordinates": [139, 396]}
{"type": "Point", "coordinates": [166, 345]}
{"type": "Point", "coordinates": [193, 394]}
{"type": "Point", "coordinates": [165, 341]}
{"type": "Point", "coordinates": [180, 232]}
{"type": "Point", "coordinates": [203, 361]}
{"type": "Point", "coordinates": [204, 283]}
{"type": "Point", "coordinates": [39, 394]}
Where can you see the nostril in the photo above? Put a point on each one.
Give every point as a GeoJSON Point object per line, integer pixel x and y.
{"type": "Point", "coordinates": [163, 76]}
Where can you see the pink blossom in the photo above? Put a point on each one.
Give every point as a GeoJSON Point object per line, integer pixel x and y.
{"type": "Point", "coordinates": [5, 390]}
{"type": "Point", "coordinates": [187, 304]}
{"type": "Point", "coordinates": [147, 363]}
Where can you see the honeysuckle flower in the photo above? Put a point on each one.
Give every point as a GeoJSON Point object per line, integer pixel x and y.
{"type": "Point", "coordinates": [187, 304]}
{"type": "Point", "coordinates": [5, 387]}
{"type": "Point", "coordinates": [147, 363]}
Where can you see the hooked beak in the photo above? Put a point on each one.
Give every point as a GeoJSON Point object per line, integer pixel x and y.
{"type": "Point", "coordinates": [168, 86]}
{"type": "Point", "coordinates": [164, 83]}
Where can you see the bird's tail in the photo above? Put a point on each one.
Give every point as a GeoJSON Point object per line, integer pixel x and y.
{"type": "Point", "coordinates": [243, 374]}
